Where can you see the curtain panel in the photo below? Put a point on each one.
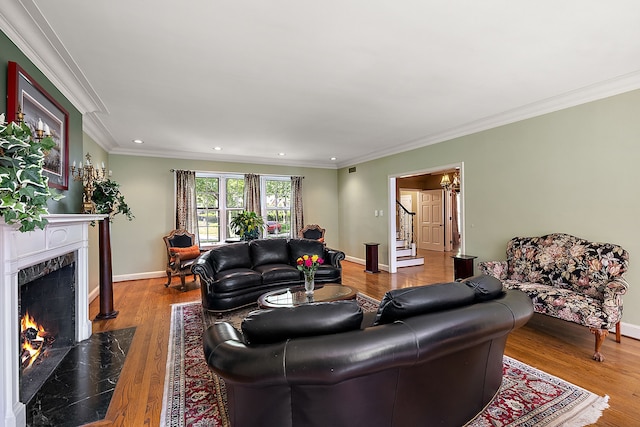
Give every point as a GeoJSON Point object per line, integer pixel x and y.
{"type": "Point", "coordinates": [186, 205]}
{"type": "Point", "coordinates": [297, 214]}
{"type": "Point", "coordinates": [252, 193]}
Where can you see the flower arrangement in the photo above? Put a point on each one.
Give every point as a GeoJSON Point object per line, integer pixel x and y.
{"type": "Point", "coordinates": [308, 264]}
{"type": "Point", "coordinates": [24, 190]}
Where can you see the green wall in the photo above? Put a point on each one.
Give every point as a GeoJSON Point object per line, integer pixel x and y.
{"type": "Point", "coordinates": [72, 201]}
{"type": "Point", "coordinates": [148, 187]}
{"type": "Point", "coordinates": [572, 171]}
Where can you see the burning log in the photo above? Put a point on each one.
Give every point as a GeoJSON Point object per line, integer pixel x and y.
{"type": "Point", "coordinates": [35, 341]}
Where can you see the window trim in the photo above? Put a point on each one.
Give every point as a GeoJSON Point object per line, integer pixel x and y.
{"type": "Point", "coordinates": [222, 200]}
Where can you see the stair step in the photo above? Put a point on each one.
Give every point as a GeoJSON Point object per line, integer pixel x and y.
{"type": "Point", "coordinates": [409, 261]}
{"type": "Point", "coordinates": [401, 243]}
{"type": "Point", "coordinates": [403, 253]}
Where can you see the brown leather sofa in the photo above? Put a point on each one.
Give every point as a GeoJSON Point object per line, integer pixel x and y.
{"type": "Point", "coordinates": [236, 274]}
{"type": "Point", "coordinates": [430, 356]}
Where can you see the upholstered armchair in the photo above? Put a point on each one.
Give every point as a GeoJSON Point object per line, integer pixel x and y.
{"type": "Point", "coordinates": [313, 232]}
{"type": "Point", "coordinates": [182, 252]}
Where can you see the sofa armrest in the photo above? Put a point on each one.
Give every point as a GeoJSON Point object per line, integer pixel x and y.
{"type": "Point", "coordinates": [204, 268]}
{"type": "Point", "coordinates": [614, 290]}
{"type": "Point", "coordinates": [497, 269]}
{"type": "Point", "coordinates": [333, 257]}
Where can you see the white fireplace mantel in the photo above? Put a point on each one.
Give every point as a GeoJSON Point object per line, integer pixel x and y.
{"type": "Point", "coordinates": [63, 234]}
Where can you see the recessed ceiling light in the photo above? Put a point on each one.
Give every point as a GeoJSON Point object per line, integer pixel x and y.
{"type": "Point", "coordinates": [281, 154]}
{"type": "Point", "coordinates": [217, 148]}
{"type": "Point", "coordinates": [334, 158]}
{"type": "Point", "coordinates": [138, 141]}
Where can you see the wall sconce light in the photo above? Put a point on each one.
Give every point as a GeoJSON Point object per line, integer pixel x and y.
{"type": "Point", "coordinates": [445, 182]}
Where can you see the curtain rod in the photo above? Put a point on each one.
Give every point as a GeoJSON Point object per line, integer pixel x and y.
{"type": "Point", "coordinates": [236, 173]}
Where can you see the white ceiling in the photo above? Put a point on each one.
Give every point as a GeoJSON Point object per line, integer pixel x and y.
{"type": "Point", "coordinates": [356, 80]}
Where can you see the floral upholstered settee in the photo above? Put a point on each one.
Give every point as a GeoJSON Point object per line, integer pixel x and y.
{"type": "Point", "coordinates": [569, 278]}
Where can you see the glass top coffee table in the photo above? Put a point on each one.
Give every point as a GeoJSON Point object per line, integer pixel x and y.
{"type": "Point", "coordinates": [291, 297]}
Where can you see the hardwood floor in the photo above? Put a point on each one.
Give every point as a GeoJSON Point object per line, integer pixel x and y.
{"type": "Point", "coordinates": [559, 348]}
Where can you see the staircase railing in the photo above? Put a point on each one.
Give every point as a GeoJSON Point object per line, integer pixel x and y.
{"type": "Point", "coordinates": [405, 224]}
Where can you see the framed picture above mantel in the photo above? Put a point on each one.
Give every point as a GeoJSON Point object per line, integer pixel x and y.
{"type": "Point", "coordinates": [41, 110]}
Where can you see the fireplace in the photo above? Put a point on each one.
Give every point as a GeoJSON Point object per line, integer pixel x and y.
{"type": "Point", "coordinates": [47, 319]}
{"type": "Point", "coordinates": [28, 259]}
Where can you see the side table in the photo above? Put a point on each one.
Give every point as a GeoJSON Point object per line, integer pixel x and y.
{"type": "Point", "coordinates": [371, 252]}
{"type": "Point", "coordinates": [462, 266]}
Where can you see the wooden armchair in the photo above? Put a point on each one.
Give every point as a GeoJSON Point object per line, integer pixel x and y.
{"type": "Point", "coordinates": [181, 254]}
{"type": "Point", "coordinates": [313, 232]}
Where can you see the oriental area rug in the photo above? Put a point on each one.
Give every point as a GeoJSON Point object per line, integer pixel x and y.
{"type": "Point", "coordinates": [196, 397]}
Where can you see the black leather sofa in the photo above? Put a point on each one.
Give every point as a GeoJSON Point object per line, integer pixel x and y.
{"type": "Point", "coordinates": [432, 356]}
{"type": "Point", "coordinates": [236, 274]}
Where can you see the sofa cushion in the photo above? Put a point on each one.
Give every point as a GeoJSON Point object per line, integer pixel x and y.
{"type": "Point", "coordinates": [299, 247]}
{"type": "Point", "coordinates": [280, 324]}
{"type": "Point", "coordinates": [234, 255]}
{"type": "Point", "coordinates": [328, 273]}
{"type": "Point", "coordinates": [399, 304]}
{"type": "Point", "coordinates": [566, 304]}
{"type": "Point", "coordinates": [278, 273]}
{"type": "Point", "coordinates": [236, 278]}
{"type": "Point", "coordinates": [268, 251]}
{"type": "Point", "coordinates": [485, 287]}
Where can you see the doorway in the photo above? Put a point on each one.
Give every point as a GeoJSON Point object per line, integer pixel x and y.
{"type": "Point", "coordinates": [429, 234]}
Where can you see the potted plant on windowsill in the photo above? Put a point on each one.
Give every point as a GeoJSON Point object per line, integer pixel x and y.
{"type": "Point", "coordinates": [24, 190]}
{"type": "Point", "coordinates": [248, 225]}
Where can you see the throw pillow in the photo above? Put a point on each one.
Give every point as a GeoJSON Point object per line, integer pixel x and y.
{"type": "Point", "coordinates": [402, 303]}
{"type": "Point", "coordinates": [269, 251]}
{"type": "Point", "coordinates": [281, 324]}
{"type": "Point", "coordinates": [190, 252]}
{"type": "Point", "coordinates": [485, 287]}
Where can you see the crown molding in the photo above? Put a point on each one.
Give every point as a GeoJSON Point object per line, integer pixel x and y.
{"type": "Point", "coordinates": [225, 158]}
{"type": "Point", "coordinates": [96, 129]}
{"type": "Point", "coordinates": [28, 29]}
{"type": "Point", "coordinates": [594, 92]}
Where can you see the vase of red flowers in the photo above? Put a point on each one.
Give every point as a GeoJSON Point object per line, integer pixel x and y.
{"type": "Point", "coordinates": [308, 264]}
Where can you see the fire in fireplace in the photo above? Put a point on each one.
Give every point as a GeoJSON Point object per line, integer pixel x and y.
{"type": "Point", "coordinates": [35, 341]}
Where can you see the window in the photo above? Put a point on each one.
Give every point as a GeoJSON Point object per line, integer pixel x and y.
{"type": "Point", "coordinates": [220, 197]}
{"type": "Point", "coordinates": [276, 199]}
{"type": "Point", "coordinates": [207, 200]}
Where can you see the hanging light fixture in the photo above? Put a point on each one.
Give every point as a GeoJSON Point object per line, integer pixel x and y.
{"type": "Point", "coordinates": [448, 185]}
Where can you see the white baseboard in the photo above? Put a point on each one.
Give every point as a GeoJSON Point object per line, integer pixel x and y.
{"type": "Point", "coordinates": [628, 330]}
{"type": "Point", "coordinates": [94, 294]}
{"type": "Point", "coordinates": [384, 267]}
{"type": "Point", "coordinates": [138, 276]}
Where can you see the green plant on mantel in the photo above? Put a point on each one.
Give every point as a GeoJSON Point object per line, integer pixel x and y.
{"type": "Point", "coordinates": [109, 200]}
{"type": "Point", "coordinates": [24, 189]}
{"type": "Point", "coordinates": [248, 225]}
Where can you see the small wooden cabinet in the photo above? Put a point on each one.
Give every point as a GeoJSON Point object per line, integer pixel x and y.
{"type": "Point", "coordinates": [462, 266]}
{"type": "Point", "coordinates": [371, 252]}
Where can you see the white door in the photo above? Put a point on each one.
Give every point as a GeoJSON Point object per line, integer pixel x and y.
{"type": "Point", "coordinates": [431, 229]}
